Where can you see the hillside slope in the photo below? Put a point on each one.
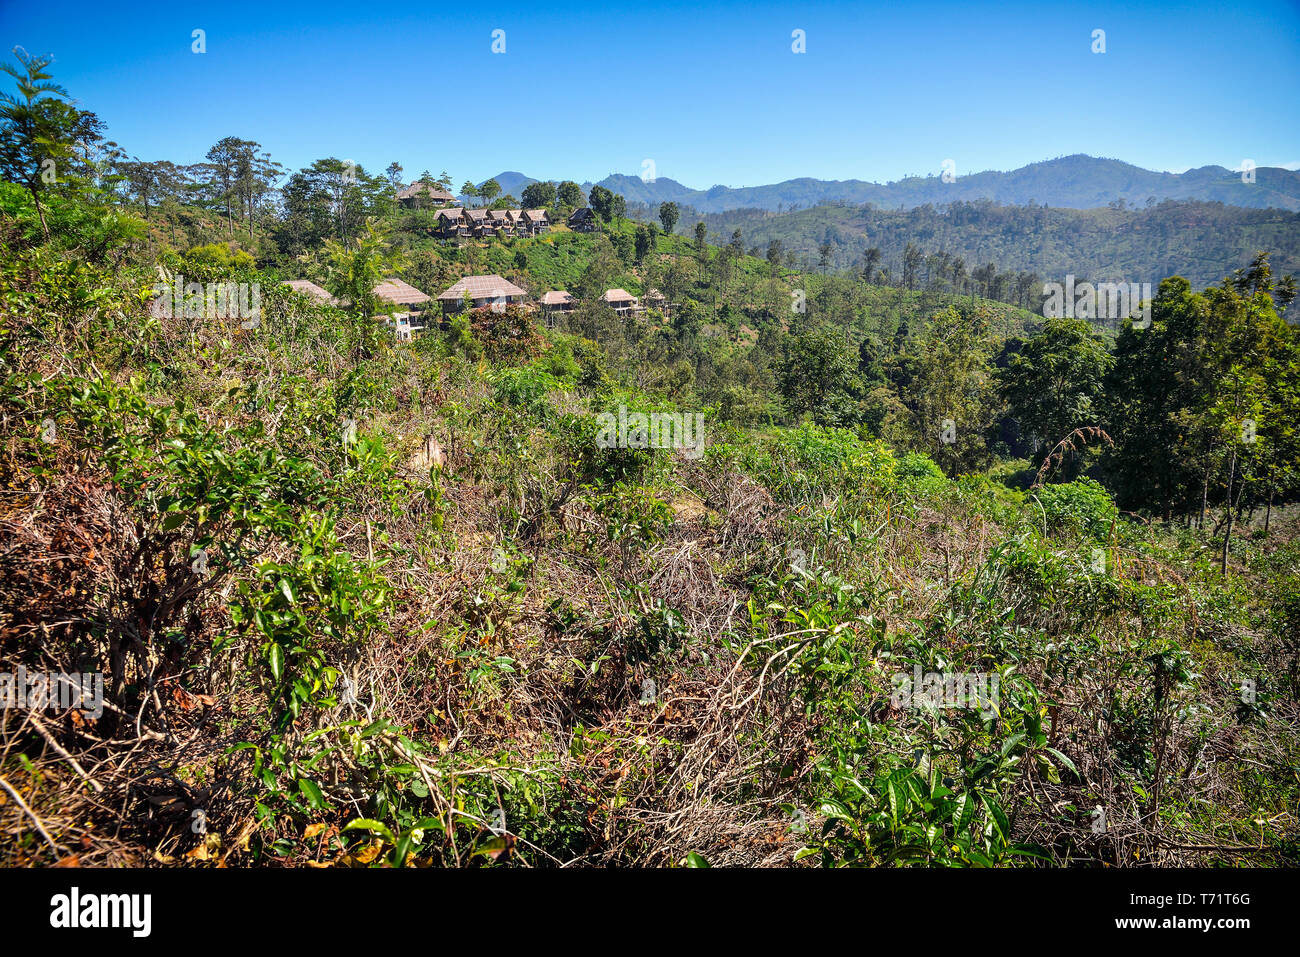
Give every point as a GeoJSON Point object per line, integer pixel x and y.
{"type": "Point", "coordinates": [1071, 182]}
{"type": "Point", "coordinates": [361, 602]}
{"type": "Point", "coordinates": [1198, 240]}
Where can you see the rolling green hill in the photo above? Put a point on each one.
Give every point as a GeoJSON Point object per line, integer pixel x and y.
{"type": "Point", "coordinates": [1074, 182]}
{"type": "Point", "coordinates": [1199, 240]}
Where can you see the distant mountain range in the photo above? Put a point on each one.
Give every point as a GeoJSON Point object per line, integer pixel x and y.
{"type": "Point", "coordinates": [1200, 241]}
{"type": "Point", "coordinates": [1071, 182]}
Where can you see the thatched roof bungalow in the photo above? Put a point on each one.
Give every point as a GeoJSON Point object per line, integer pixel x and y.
{"type": "Point", "coordinates": [309, 288]}
{"type": "Point", "coordinates": [401, 293]}
{"type": "Point", "coordinates": [620, 300]}
{"type": "Point", "coordinates": [490, 290]}
{"type": "Point", "coordinates": [424, 195]}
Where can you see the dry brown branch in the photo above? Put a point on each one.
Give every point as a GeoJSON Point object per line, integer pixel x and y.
{"type": "Point", "coordinates": [1075, 442]}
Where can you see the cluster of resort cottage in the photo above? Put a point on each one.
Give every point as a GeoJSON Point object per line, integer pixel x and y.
{"type": "Point", "coordinates": [492, 291]}
{"type": "Point", "coordinates": [476, 292]}
{"type": "Point", "coordinates": [459, 221]}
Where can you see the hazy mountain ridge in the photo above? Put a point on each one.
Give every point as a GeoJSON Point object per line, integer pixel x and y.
{"type": "Point", "coordinates": [1202, 241]}
{"type": "Point", "coordinates": [1072, 182]}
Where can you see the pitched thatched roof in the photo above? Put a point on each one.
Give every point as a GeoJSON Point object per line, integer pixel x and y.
{"type": "Point", "coordinates": [617, 295]}
{"type": "Point", "coordinates": [580, 215]}
{"type": "Point", "coordinates": [402, 293]}
{"type": "Point", "coordinates": [311, 289]}
{"type": "Point", "coordinates": [557, 297]}
{"type": "Point", "coordinates": [482, 287]}
{"type": "Point", "coordinates": [435, 193]}
{"type": "Point", "coordinates": [477, 214]}
{"type": "Point", "coordinates": [535, 215]}
{"type": "Point", "coordinates": [455, 212]}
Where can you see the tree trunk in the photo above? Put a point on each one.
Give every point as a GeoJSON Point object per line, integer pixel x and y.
{"type": "Point", "coordinates": [1268, 513]}
{"type": "Point", "coordinates": [1205, 494]}
{"type": "Point", "coordinates": [45, 227]}
{"type": "Point", "coordinates": [1227, 535]}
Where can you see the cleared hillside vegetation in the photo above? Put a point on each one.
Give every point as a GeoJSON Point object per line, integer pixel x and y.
{"type": "Point", "coordinates": [364, 602]}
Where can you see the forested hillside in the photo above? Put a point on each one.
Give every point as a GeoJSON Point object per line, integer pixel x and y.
{"type": "Point", "coordinates": [933, 581]}
{"type": "Point", "coordinates": [1072, 182]}
{"type": "Point", "coordinates": [1197, 240]}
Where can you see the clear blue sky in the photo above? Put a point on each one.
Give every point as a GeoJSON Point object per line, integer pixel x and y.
{"type": "Point", "coordinates": [711, 95]}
